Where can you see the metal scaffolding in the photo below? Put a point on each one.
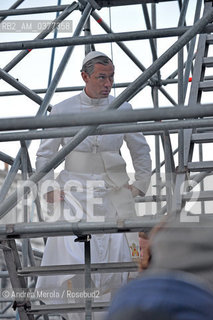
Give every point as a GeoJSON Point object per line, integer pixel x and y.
{"type": "Point", "coordinates": [179, 131]}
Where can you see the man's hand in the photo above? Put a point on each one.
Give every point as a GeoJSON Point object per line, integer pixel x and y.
{"type": "Point", "coordinates": [134, 190]}
{"type": "Point", "coordinates": [54, 196]}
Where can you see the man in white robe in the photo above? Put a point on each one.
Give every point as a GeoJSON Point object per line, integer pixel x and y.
{"type": "Point", "coordinates": [94, 170]}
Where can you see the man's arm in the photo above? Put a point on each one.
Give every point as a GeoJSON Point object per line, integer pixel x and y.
{"type": "Point", "coordinates": [46, 151]}
{"type": "Point", "coordinates": [140, 154]}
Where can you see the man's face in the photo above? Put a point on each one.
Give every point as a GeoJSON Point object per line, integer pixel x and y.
{"type": "Point", "coordinates": [99, 83]}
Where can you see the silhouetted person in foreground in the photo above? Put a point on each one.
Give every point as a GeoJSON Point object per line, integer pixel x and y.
{"type": "Point", "coordinates": [176, 282]}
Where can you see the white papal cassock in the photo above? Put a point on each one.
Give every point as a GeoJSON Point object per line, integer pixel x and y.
{"type": "Point", "coordinates": [94, 180]}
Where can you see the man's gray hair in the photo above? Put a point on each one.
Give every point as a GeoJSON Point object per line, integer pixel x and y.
{"type": "Point", "coordinates": [89, 66]}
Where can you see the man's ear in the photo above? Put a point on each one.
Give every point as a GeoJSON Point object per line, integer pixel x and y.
{"type": "Point", "coordinates": [85, 76]}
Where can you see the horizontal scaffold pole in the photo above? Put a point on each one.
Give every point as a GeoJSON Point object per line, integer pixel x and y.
{"type": "Point", "coordinates": [149, 128]}
{"type": "Point", "coordinates": [66, 228]}
{"type": "Point", "coordinates": [106, 117]}
{"type": "Point", "coordinates": [100, 38]}
{"type": "Point", "coordinates": [35, 10]}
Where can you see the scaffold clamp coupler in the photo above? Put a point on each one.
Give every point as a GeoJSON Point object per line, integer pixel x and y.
{"type": "Point", "coordinates": [19, 304]}
{"type": "Point", "coordinates": [10, 228]}
{"type": "Point", "coordinates": [83, 238]}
